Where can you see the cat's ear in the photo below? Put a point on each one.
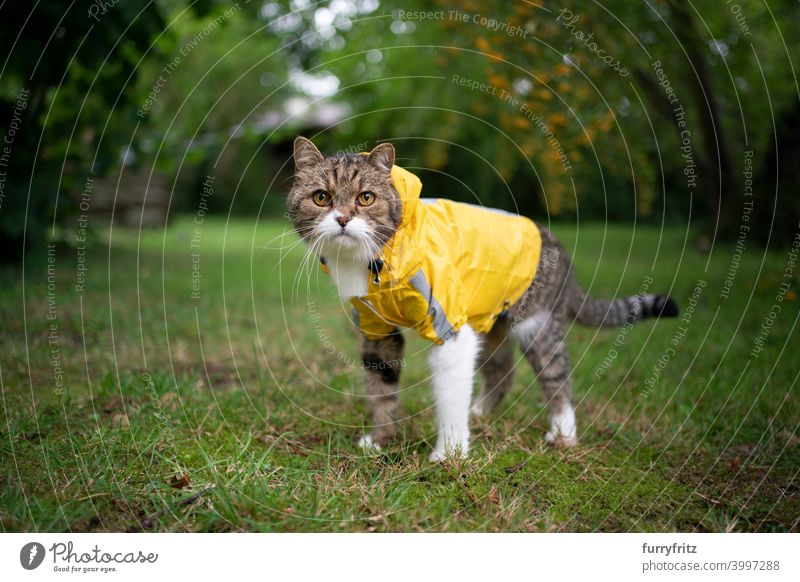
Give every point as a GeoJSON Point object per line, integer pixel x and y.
{"type": "Point", "coordinates": [305, 154]}
{"type": "Point", "coordinates": [382, 156]}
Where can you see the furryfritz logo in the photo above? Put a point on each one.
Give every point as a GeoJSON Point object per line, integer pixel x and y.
{"type": "Point", "coordinates": [31, 555]}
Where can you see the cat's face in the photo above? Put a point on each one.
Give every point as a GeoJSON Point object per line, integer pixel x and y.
{"type": "Point", "coordinates": [344, 204]}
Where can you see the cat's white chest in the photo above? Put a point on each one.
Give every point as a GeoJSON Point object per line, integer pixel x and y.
{"type": "Point", "coordinates": [350, 275]}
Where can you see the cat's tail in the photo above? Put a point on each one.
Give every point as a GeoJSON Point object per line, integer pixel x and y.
{"type": "Point", "coordinates": [599, 313]}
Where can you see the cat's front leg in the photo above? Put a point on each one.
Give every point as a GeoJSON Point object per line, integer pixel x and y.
{"type": "Point", "coordinates": [382, 360]}
{"type": "Point", "coordinates": [453, 369]}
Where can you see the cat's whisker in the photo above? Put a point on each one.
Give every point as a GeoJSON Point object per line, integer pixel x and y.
{"type": "Point", "coordinates": [298, 279]}
{"type": "Point", "coordinates": [311, 256]}
{"type": "Point", "coordinates": [307, 257]}
{"type": "Point", "coordinates": [285, 252]}
{"type": "Point", "coordinates": [317, 248]}
{"type": "Point", "coordinates": [286, 232]}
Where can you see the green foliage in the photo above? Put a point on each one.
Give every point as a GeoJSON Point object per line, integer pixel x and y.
{"type": "Point", "coordinates": [586, 74]}
{"type": "Point", "coordinates": [210, 100]}
{"type": "Point", "coordinates": [74, 64]}
{"type": "Point", "coordinates": [550, 109]}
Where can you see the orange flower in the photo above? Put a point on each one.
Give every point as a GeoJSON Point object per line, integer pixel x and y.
{"type": "Point", "coordinates": [499, 81]}
{"type": "Point", "coordinates": [562, 69]}
{"type": "Point", "coordinates": [529, 148]}
{"type": "Point", "coordinates": [521, 9]}
{"type": "Point", "coordinates": [482, 44]}
{"type": "Point", "coordinates": [558, 120]}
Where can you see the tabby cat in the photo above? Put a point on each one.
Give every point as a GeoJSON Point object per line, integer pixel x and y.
{"type": "Point", "coordinates": [473, 281]}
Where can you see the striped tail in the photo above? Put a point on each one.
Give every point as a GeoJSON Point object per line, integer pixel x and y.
{"type": "Point", "coordinates": [599, 313]}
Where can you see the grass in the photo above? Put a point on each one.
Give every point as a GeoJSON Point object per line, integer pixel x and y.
{"type": "Point", "coordinates": [238, 410]}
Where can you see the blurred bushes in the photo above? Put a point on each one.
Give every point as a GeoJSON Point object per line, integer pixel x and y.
{"type": "Point", "coordinates": [73, 65]}
{"type": "Point", "coordinates": [551, 110]}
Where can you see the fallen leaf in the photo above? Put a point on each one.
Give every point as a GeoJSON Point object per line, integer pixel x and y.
{"type": "Point", "coordinates": [179, 481]}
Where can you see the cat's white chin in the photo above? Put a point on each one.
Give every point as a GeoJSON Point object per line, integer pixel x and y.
{"type": "Point", "coordinates": [344, 248]}
{"type": "Point", "coordinates": [351, 242]}
{"type": "Point", "coordinates": [344, 241]}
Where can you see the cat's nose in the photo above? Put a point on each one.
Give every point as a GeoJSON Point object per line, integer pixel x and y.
{"type": "Point", "coordinates": [343, 220]}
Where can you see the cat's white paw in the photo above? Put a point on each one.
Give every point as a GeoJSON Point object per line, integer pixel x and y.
{"type": "Point", "coordinates": [367, 444]}
{"type": "Point", "coordinates": [437, 456]}
{"type": "Point", "coordinates": [563, 431]}
{"type": "Point", "coordinates": [477, 410]}
{"type": "Point", "coordinates": [560, 440]}
{"type": "Point", "coordinates": [440, 453]}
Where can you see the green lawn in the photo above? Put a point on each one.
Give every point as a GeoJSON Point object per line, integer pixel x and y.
{"type": "Point", "coordinates": [238, 410]}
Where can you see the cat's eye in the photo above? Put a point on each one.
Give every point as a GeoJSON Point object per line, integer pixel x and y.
{"type": "Point", "coordinates": [365, 198]}
{"type": "Point", "coordinates": [321, 198]}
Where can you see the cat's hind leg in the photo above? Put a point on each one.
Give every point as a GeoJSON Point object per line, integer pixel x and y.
{"type": "Point", "coordinates": [496, 364]}
{"type": "Point", "coordinates": [542, 341]}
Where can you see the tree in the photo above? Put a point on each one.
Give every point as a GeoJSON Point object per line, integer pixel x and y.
{"type": "Point", "coordinates": [644, 108]}
{"type": "Point", "coordinates": [65, 67]}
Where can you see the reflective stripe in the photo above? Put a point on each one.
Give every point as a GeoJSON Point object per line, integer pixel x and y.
{"type": "Point", "coordinates": [356, 317]}
{"type": "Point", "coordinates": [441, 326]}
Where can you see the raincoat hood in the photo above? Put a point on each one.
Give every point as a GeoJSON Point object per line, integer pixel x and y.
{"type": "Point", "coordinates": [409, 187]}
{"type": "Point", "coordinates": [401, 251]}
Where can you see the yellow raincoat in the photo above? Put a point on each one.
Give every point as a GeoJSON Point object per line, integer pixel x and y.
{"type": "Point", "coordinates": [448, 264]}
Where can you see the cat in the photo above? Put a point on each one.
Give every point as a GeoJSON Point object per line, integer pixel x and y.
{"type": "Point", "coordinates": [473, 281]}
